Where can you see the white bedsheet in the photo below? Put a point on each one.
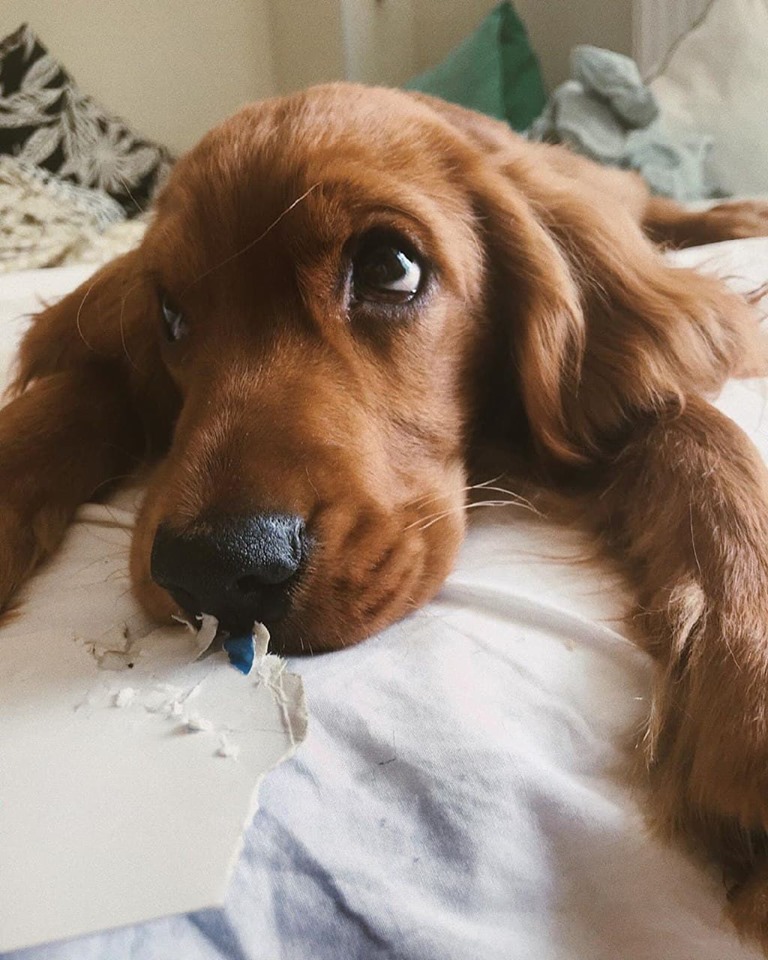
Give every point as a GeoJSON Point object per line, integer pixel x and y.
{"type": "Point", "coordinates": [462, 792]}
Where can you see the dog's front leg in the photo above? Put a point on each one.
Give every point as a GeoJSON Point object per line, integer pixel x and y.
{"type": "Point", "coordinates": [686, 504]}
{"type": "Point", "coordinates": [67, 435]}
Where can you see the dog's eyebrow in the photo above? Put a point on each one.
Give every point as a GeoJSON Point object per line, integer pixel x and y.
{"type": "Point", "coordinates": [396, 211]}
{"type": "Point", "coordinates": [252, 243]}
{"type": "Point", "coordinates": [355, 184]}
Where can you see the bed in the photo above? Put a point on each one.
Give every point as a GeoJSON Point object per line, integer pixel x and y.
{"type": "Point", "coordinates": [465, 788]}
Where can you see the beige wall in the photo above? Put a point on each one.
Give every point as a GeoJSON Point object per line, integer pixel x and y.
{"type": "Point", "coordinates": [172, 68]}
{"type": "Point", "coordinates": [554, 27]}
{"type": "Point", "coordinates": [379, 40]}
{"type": "Point", "coordinates": [307, 44]}
{"type": "Point", "coordinates": [415, 34]}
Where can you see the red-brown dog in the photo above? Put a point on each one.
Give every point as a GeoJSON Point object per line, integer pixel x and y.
{"type": "Point", "coordinates": [341, 296]}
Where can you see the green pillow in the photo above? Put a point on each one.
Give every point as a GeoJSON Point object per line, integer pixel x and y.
{"type": "Point", "coordinates": [494, 71]}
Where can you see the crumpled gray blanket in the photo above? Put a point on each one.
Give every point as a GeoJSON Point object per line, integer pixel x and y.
{"type": "Point", "coordinates": [607, 113]}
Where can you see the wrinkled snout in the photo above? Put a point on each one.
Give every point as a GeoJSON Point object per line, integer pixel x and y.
{"type": "Point", "coordinates": [238, 569]}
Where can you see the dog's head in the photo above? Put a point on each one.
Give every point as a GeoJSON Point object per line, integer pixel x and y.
{"type": "Point", "coordinates": [318, 289]}
{"type": "Point", "coordinates": [336, 288]}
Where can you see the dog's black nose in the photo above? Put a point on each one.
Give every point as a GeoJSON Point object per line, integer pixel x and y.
{"type": "Point", "coordinates": [237, 569]}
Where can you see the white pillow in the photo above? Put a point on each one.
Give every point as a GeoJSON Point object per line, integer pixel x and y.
{"type": "Point", "coordinates": [716, 82]}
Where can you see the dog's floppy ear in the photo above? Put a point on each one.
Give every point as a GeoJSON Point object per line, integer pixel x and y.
{"type": "Point", "coordinates": [537, 305]}
{"type": "Point", "coordinates": [95, 322]}
{"type": "Point", "coordinates": [109, 322]}
{"type": "Point", "coordinates": [88, 407]}
{"type": "Point", "coordinates": [602, 331]}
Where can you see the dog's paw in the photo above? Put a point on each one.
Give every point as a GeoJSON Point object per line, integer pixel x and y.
{"type": "Point", "coordinates": [707, 756]}
{"type": "Point", "coordinates": [736, 844]}
{"type": "Point", "coordinates": [16, 556]}
{"type": "Point", "coordinates": [23, 542]}
{"type": "Point", "coordinates": [737, 220]}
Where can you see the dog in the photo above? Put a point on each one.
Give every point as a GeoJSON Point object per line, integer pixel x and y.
{"type": "Point", "coordinates": [341, 297]}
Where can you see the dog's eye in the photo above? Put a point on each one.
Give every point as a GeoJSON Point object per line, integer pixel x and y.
{"type": "Point", "coordinates": [175, 324]}
{"type": "Point", "coordinates": [384, 272]}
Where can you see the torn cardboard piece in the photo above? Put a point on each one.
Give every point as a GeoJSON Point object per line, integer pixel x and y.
{"type": "Point", "coordinates": [128, 768]}
{"type": "Point", "coordinates": [243, 651]}
{"type": "Point", "coordinates": [124, 792]}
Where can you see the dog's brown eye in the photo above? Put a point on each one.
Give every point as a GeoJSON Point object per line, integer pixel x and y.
{"type": "Point", "coordinates": [175, 324]}
{"type": "Point", "coordinates": [385, 273]}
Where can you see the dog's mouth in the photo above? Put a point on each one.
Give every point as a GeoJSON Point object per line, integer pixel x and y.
{"type": "Point", "coordinates": [243, 649]}
{"type": "Point", "coordinates": [255, 604]}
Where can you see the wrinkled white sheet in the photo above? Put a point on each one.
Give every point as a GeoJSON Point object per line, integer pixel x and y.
{"type": "Point", "coordinates": [462, 792]}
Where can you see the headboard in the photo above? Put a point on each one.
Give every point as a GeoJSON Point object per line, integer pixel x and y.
{"type": "Point", "coordinates": [657, 25]}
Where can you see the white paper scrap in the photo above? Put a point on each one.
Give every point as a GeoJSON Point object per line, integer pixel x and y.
{"type": "Point", "coordinates": [260, 640]}
{"type": "Point", "coordinates": [124, 697]}
{"type": "Point", "coordinates": [227, 748]}
{"type": "Point", "coordinates": [209, 625]}
{"type": "Point", "coordinates": [198, 724]}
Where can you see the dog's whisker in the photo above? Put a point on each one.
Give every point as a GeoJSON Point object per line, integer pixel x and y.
{"type": "Point", "coordinates": [429, 521]}
{"type": "Point", "coordinates": [517, 496]}
{"type": "Point", "coordinates": [515, 500]}
{"type": "Point", "coordinates": [133, 199]}
{"type": "Point", "coordinates": [426, 498]}
{"type": "Point", "coordinates": [78, 316]}
{"type": "Point", "coordinates": [109, 480]}
{"type": "Point", "coordinates": [122, 325]}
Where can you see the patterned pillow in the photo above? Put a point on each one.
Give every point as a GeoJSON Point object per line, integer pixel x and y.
{"type": "Point", "coordinates": [46, 120]}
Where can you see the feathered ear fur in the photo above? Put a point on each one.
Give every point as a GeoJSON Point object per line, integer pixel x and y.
{"type": "Point", "coordinates": [108, 322]}
{"type": "Point", "coordinates": [86, 326]}
{"type": "Point", "coordinates": [602, 331]}
{"type": "Point", "coordinates": [81, 416]}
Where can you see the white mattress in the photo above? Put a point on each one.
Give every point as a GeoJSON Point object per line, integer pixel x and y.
{"type": "Point", "coordinates": [462, 792]}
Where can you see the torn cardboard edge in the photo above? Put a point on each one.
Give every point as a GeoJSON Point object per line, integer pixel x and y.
{"type": "Point", "coordinates": [126, 740]}
{"type": "Point", "coordinates": [242, 650]}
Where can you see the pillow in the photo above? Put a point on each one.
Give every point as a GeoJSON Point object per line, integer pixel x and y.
{"type": "Point", "coordinates": [47, 121]}
{"type": "Point", "coordinates": [716, 82]}
{"type": "Point", "coordinates": [45, 222]}
{"type": "Point", "coordinates": [494, 71]}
